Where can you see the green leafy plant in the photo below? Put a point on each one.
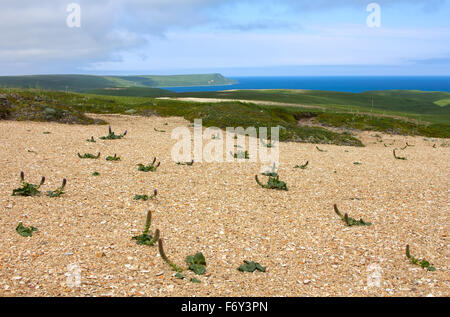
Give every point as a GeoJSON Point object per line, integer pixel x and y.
{"type": "Point", "coordinates": [145, 197]}
{"type": "Point", "coordinates": [149, 168]}
{"type": "Point", "coordinates": [195, 280]}
{"type": "Point", "coordinates": [197, 263]}
{"type": "Point", "coordinates": [240, 155]}
{"type": "Point", "coordinates": [186, 163]}
{"type": "Point", "coordinates": [423, 263]}
{"type": "Point", "coordinates": [146, 238]}
{"type": "Point", "coordinates": [92, 140]}
{"type": "Point", "coordinates": [303, 167]}
{"type": "Point", "coordinates": [320, 150]}
{"type": "Point", "coordinates": [112, 136]}
{"type": "Point", "coordinates": [95, 174]}
{"type": "Point", "coordinates": [166, 259]}
{"type": "Point", "coordinates": [113, 158]}
{"type": "Point", "coordinates": [89, 156]}
{"type": "Point", "coordinates": [28, 189]}
{"type": "Point", "coordinates": [59, 191]}
{"type": "Point", "coordinates": [25, 231]}
{"type": "Point", "coordinates": [251, 267]}
{"type": "Point", "coordinates": [350, 221]}
{"type": "Point", "coordinates": [272, 183]}
{"type": "Point", "coordinates": [399, 157]}
{"type": "Point", "coordinates": [180, 276]}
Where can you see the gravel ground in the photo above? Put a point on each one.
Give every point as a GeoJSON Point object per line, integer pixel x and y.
{"type": "Point", "coordinates": [218, 209]}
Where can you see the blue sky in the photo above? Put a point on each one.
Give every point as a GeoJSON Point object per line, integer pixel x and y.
{"type": "Point", "coordinates": [234, 37]}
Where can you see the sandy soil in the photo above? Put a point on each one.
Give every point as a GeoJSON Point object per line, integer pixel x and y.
{"type": "Point", "coordinates": [268, 103]}
{"type": "Point", "coordinates": [218, 209]}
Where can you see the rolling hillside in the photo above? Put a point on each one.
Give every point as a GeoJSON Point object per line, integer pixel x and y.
{"type": "Point", "coordinates": [82, 83]}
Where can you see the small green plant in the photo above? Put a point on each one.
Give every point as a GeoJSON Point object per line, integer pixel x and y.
{"type": "Point", "coordinates": [251, 267]}
{"type": "Point", "coordinates": [272, 183]}
{"type": "Point", "coordinates": [197, 263]}
{"type": "Point", "coordinates": [195, 280]}
{"type": "Point", "coordinates": [145, 197]}
{"type": "Point", "coordinates": [146, 238]}
{"type": "Point", "coordinates": [303, 167]}
{"type": "Point", "coordinates": [180, 276]}
{"type": "Point", "coordinates": [320, 150]}
{"type": "Point", "coordinates": [89, 156]}
{"type": "Point", "coordinates": [95, 174]}
{"type": "Point", "coordinates": [357, 163]}
{"type": "Point", "coordinates": [113, 158]}
{"type": "Point", "coordinates": [92, 140]}
{"type": "Point", "coordinates": [112, 136]}
{"type": "Point", "coordinates": [399, 157]}
{"type": "Point", "coordinates": [240, 155]}
{"type": "Point", "coordinates": [166, 259]}
{"type": "Point", "coordinates": [423, 263]}
{"type": "Point", "coordinates": [25, 231]}
{"type": "Point", "coordinates": [149, 168]}
{"type": "Point", "coordinates": [59, 191]}
{"type": "Point", "coordinates": [186, 163]}
{"type": "Point", "coordinates": [28, 189]}
{"type": "Point", "coordinates": [159, 130]}
{"type": "Point", "coordinates": [350, 221]}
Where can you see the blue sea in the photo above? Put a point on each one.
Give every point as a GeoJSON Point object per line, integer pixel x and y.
{"type": "Point", "coordinates": [344, 84]}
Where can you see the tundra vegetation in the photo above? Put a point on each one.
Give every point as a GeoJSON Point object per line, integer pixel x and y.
{"type": "Point", "coordinates": [149, 168]}
{"type": "Point", "coordinates": [59, 191]}
{"type": "Point", "coordinates": [89, 156]}
{"type": "Point", "coordinates": [251, 267]}
{"type": "Point", "coordinates": [186, 163]}
{"type": "Point", "coordinates": [112, 135]}
{"type": "Point", "coordinates": [28, 189]}
{"type": "Point", "coordinates": [113, 158]}
{"type": "Point", "coordinates": [349, 221]}
{"type": "Point", "coordinates": [146, 238]}
{"type": "Point", "coordinates": [25, 231]}
{"type": "Point", "coordinates": [272, 183]}
{"type": "Point", "coordinates": [423, 262]}
{"type": "Point", "coordinates": [303, 167]}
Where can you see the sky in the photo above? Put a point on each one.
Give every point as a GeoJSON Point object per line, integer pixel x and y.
{"type": "Point", "coordinates": [232, 37]}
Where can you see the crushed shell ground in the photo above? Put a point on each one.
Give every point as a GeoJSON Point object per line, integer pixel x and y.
{"type": "Point", "coordinates": [218, 209]}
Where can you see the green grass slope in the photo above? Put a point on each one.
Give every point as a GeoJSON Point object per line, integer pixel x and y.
{"type": "Point", "coordinates": [412, 104]}
{"type": "Point", "coordinates": [34, 104]}
{"type": "Point", "coordinates": [83, 83]}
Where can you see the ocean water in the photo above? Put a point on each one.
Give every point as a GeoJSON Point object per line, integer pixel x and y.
{"type": "Point", "coordinates": [344, 84]}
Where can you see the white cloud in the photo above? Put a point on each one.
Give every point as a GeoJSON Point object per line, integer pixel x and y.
{"type": "Point", "coordinates": [34, 36]}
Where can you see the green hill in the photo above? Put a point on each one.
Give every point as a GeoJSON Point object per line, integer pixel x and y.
{"type": "Point", "coordinates": [82, 83]}
{"type": "Point", "coordinates": [418, 105]}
